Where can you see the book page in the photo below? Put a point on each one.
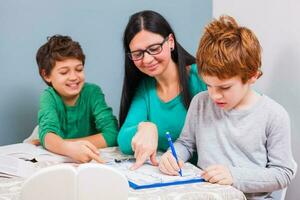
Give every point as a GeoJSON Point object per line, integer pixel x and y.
{"type": "Point", "coordinates": [14, 167]}
{"type": "Point", "coordinates": [149, 174]}
{"type": "Point", "coordinates": [28, 151]}
{"type": "Point", "coordinates": [23, 151]}
{"type": "Point", "coordinates": [45, 155]}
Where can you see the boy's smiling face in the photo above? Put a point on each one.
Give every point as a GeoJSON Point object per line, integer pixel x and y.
{"type": "Point", "coordinates": [67, 78]}
{"type": "Point", "coordinates": [230, 93]}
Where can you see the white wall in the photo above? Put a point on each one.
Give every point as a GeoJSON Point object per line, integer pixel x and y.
{"type": "Point", "coordinates": [276, 24]}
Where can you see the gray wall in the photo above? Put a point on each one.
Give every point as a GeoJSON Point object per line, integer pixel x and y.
{"type": "Point", "coordinates": [276, 23]}
{"type": "Point", "coordinates": [97, 25]}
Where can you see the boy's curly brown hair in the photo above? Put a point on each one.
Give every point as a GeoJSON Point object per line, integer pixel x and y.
{"type": "Point", "coordinates": [57, 48]}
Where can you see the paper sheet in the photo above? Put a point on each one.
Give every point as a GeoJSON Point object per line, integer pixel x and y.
{"type": "Point", "coordinates": [148, 174]}
{"type": "Point", "coordinates": [27, 151]}
{"type": "Point", "coordinates": [11, 167]}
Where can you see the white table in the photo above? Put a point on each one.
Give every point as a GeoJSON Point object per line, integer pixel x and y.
{"type": "Point", "coordinates": [10, 188]}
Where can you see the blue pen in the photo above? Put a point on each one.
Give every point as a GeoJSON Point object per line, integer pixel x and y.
{"type": "Point", "coordinates": [173, 149]}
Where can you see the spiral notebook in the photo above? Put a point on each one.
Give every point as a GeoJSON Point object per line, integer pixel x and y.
{"type": "Point", "coordinates": [148, 176]}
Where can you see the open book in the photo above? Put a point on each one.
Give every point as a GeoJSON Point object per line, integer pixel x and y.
{"type": "Point", "coordinates": [85, 182]}
{"type": "Point", "coordinates": [28, 151]}
{"type": "Point", "coordinates": [14, 167]}
{"type": "Point", "coordinates": [17, 160]}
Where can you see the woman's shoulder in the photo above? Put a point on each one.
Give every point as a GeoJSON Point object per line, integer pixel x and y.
{"type": "Point", "coordinates": [196, 83]}
{"type": "Point", "coordinates": [192, 69]}
{"type": "Point", "coordinates": [146, 84]}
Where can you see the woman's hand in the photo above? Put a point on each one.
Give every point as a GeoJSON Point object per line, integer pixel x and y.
{"type": "Point", "coordinates": [168, 164]}
{"type": "Point", "coordinates": [144, 144]}
{"type": "Point", "coordinates": [219, 174]}
{"type": "Point", "coordinates": [82, 151]}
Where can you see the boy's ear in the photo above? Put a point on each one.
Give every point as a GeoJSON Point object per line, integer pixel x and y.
{"type": "Point", "coordinates": [44, 75]}
{"type": "Point", "coordinates": [255, 77]}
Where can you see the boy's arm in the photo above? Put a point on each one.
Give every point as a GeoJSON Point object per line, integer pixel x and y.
{"type": "Point", "coordinates": [105, 121]}
{"type": "Point", "coordinates": [185, 145]}
{"type": "Point", "coordinates": [97, 140]}
{"type": "Point", "coordinates": [81, 151]}
{"type": "Point", "coordinates": [47, 116]}
{"type": "Point", "coordinates": [281, 167]}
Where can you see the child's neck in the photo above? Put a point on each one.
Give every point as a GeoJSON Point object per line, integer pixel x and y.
{"type": "Point", "coordinates": [70, 101]}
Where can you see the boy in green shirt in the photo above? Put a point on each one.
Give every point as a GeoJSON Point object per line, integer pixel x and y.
{"type": "Point", "coordinates": [74, 119]}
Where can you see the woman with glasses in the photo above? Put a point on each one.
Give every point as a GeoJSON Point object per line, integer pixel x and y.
{"type": "Point", "coordinates": [159, 82]}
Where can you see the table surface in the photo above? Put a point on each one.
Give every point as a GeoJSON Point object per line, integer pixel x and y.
{"type": "Point", "coordinates": [10, 188]}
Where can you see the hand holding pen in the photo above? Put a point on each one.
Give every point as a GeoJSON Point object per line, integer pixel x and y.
{"type": "Point", "coordinates": [169, 163]}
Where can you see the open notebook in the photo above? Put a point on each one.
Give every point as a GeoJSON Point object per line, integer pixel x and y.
{"type": "Point", "coordinates": [16, 159]}
{"type": "Point", "coordinates": [28, 151]}
{"type": "Point", "coordinates": [14, 167]}
{"type": "Point", "coordinates": [148, 176]}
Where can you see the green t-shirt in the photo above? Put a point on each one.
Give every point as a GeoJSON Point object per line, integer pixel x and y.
{"type": "Point", "coordinates": [147, 106]}
{"type": "Point", "coordinates": [90, 115]}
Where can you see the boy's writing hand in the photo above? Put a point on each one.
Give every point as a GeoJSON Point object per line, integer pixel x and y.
{"type": "Point", "coordinates": [82, 151]}
{"type": "Point", "coordinates": [168, 164]}
{"type": "Point", "coordinates": [219, 174]}
{"type": "Point", "coordinates": [144, 144]}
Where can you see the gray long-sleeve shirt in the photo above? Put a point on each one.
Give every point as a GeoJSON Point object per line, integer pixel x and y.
{"type": "Point", "coordinates": [255, 144]}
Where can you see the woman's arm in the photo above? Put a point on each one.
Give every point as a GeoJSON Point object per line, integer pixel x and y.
{"type": "Point", "coordinates": [138, 112]}
{"type": "Point", "coordinates": [137, 135]}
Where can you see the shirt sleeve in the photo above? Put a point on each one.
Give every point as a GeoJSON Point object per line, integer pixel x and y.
{"type": "Point", "coordinates": [136, 114]}
{"type": "Point", "coordinates": [105, 121]}
{"type": "Point", "coordinates": [280, 168]}
{"type": "Point", "coordinates": [48, 116]}
{"type": "Point", "coordinates": [186, 143]}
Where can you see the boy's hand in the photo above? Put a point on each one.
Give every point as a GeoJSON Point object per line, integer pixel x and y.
{"type": "Point", "coordinates": [35, 142]}
{"type": "Point", "coordinates": [82, 151]}
{"type": "Point", "coordinates": [219, 174]}
{"type": "Point", "coordinates": [144, 144]}
{"type": "Point", "coordinates": [168, 164]}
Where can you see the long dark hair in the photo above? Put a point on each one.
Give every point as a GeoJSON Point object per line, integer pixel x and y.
{"type": "Point", "coordinates": [155, 23]}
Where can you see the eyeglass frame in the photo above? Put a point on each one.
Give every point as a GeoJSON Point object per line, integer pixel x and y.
{"type": "Point", "coordinates": [147, 50]}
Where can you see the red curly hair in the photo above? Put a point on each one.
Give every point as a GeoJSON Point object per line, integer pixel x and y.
{"type": "Point", "coordinates": [227, 50]}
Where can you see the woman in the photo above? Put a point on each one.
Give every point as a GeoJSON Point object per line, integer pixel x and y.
{"type": "Point", "coordinates": [160, 80]}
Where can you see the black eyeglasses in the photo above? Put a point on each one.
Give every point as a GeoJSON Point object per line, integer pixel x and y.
{"type": "Point", "coordinates": [153, 49]}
